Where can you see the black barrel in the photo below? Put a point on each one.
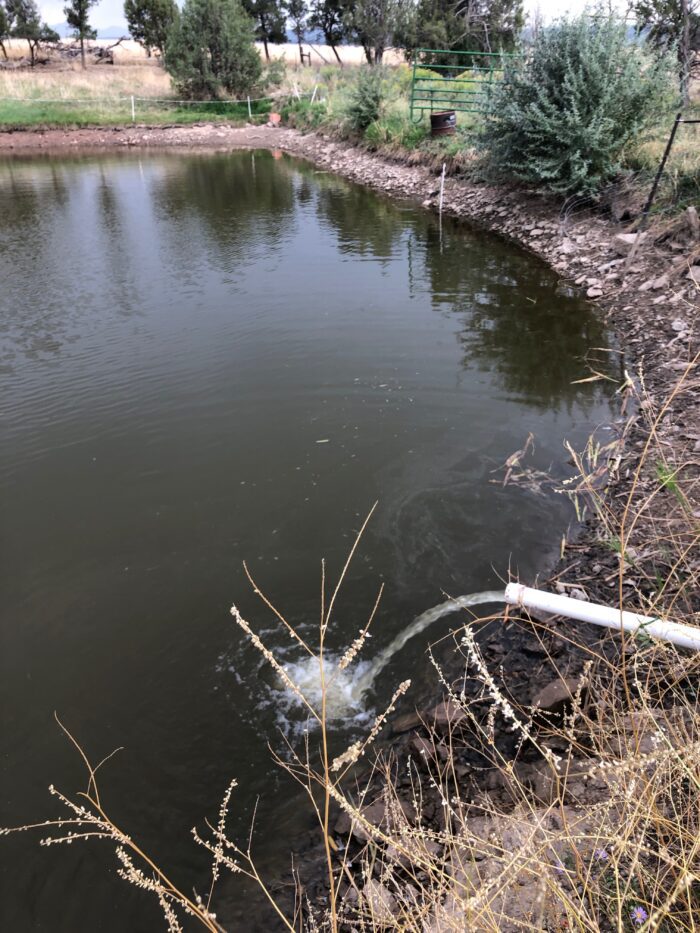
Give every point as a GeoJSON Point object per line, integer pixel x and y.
{"type": "Point", "coordinates": [443, 123]}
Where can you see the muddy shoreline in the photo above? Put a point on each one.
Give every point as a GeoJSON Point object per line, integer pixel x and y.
{"type": "Point", "coordinates": [649, 301]}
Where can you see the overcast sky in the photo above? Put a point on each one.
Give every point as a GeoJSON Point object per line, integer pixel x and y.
{"type": "Point", "coordinates": [111, 12]}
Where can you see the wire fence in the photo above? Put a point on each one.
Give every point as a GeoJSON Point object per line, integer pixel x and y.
{"type": "Point", "coordinates": [133, 105]}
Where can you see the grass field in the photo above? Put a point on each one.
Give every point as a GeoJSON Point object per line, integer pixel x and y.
{"type": "Point", "coordinates": [101, 96]}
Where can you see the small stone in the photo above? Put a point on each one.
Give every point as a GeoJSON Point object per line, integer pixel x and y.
{"type": "Point", "coordinates": [422, 748]}
{"type": "Point", "coordinates": [555, 695]}
{"type": "Point", "coordinates": [380, 903]}
{"type": "Point", "coordinates": [678, 325]}
{"type": "Point", "coordinates": [647, 285]}
{"type": "Point", "coordinates": [405, 723]}
{"type": "Point", "coordinates": [594, 292]}
{"type": "Point", "coordinates": [445, 714]}
{"type": "Point", "coordinates": [624, 242]}
{"type": "Point", "coordinates": [659, 283]}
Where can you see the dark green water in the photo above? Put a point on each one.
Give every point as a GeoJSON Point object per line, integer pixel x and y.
{"type": "Point", "coordinates": [177, 336]}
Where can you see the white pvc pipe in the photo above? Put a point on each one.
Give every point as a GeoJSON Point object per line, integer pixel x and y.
{"type": "Point", "coordinates": [442, 186]}
{"type": "Point", "coordinates": [687, 636]}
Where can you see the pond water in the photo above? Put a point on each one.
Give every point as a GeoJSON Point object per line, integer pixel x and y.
{"type": "Point", "coordinates": [208, 359]}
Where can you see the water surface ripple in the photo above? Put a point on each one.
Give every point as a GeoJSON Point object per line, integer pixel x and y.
{"type": "Point", "coordinates": [212, 358]}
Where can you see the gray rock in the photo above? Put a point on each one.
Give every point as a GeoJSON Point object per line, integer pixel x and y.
{"type": "Point", "coordinates": [623, 242]}
{"type": "Point", "coordinates": [555, 696]}
{"type": "Point", "coordinates": [445, 715]}
{"type": "Point", "coordinates": [380, 902]}
{"type": "Point", "coordinates": [405, 723]}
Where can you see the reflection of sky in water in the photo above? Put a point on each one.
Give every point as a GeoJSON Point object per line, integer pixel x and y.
{"type": "Point", "coordinates": [178, 334]}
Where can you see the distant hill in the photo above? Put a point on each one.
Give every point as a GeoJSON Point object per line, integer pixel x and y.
{"type": "Point", "coordinates": [109, 32]}
{"type": "Point", "coordinates": [315, 36]}
{"type": "Point", "coordinates": [113, 32]}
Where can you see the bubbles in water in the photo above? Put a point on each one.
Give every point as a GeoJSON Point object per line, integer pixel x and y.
{"type": "Point", "coordinates": [345, 689]}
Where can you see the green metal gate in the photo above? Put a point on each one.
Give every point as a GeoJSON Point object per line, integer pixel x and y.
{"type": "Point", "coordinates": [463, 81]}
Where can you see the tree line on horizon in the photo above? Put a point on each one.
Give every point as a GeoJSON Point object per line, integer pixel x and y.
{"type": "Point", "coordinates": [207, 45]}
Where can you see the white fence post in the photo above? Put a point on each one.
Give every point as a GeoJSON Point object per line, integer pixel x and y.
{"type": "Point", "coordinates": [250, 112]}
{"type": "Point", "coordinates": [442, 186]}
{"type": "Point", "coordinates": [313, 96]}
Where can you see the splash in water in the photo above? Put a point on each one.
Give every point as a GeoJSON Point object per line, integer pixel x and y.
{"type": "Point", "coordinates": [346, 689]}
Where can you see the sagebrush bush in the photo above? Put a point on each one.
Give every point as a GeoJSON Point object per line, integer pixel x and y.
{"type": "Point", "coordinates": [564, 117]}
{"type": "Point", "coordinates": [365, 99]}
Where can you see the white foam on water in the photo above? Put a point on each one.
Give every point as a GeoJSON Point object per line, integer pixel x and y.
{"type": "Point", "coordinates": [344, 698]}
{"type": "Point", "coordinates": [346, 690]}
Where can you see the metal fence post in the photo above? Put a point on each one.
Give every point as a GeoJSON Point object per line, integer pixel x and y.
{"type": "Point", "coordinates": [659, 173]}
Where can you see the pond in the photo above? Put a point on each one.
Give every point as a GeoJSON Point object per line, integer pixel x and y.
{"type": "Point", "coordinates": [212, 358]}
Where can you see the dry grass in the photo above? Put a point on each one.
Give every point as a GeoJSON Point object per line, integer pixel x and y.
{"type": "Point", "coordinates": [128, 53]}
{"type": "Point", "coordinates": [97, 81]}
{"type": "Point", "coordinates": [131, 53]}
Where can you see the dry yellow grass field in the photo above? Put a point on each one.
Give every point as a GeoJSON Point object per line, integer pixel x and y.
{"type": "Point", "coordinates": [97, 81]}
{"type": "Point", "coordinates": [131, 53]}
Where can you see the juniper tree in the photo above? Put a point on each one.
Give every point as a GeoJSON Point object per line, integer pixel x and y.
{"type": "Point", "coordinates": [4, 28]}
{"type": "Point", "coordinates": [376, 25]}
{"type": "Point", "coordinates": [210, 48]}
{"type": "Point", "coordinates": [77, 14]}
{"type": "Point", "coordinates": [270, 21]}
{"type": "Point", "coordinates": [150, 21]}
{"type": "Point", "coordinates": [329, 17]}
{"type": "Point", "coordinates": [298, 12]}
{"type": "Point", "coordinates": [471, 25]}
{"type": "Point", "coordinates": [563, 119]}
{"type": "Point", "coordinates": [672, 24]}
{"type": "Point", "coordinates": [24, 22]}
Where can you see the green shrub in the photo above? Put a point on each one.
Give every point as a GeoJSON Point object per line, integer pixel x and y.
{"type": "Point", "coordinates": [303, 115]}
{"type": "Point", "coordinates": [564, 118]}
{"type": "Point", "coordinates": [211, 49]}
{"type": "Point", "coordinates": [365, 99]}
{"type": "Point", "coordinates": [397, 130]}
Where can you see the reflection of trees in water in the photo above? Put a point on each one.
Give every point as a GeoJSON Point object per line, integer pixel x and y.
{"type": "Point", "coordinates": [239, 199]}
{"type": "Point", "coordinates": [221, 209]}
{"type": "Point", "coordinates": [27, 196]}
{"type": "Point", "coordinates": [515, 320]}
{"type": "Point", "coordinates": [365, 224]}
{"type": "Point", "coordinates": [34, 198]}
